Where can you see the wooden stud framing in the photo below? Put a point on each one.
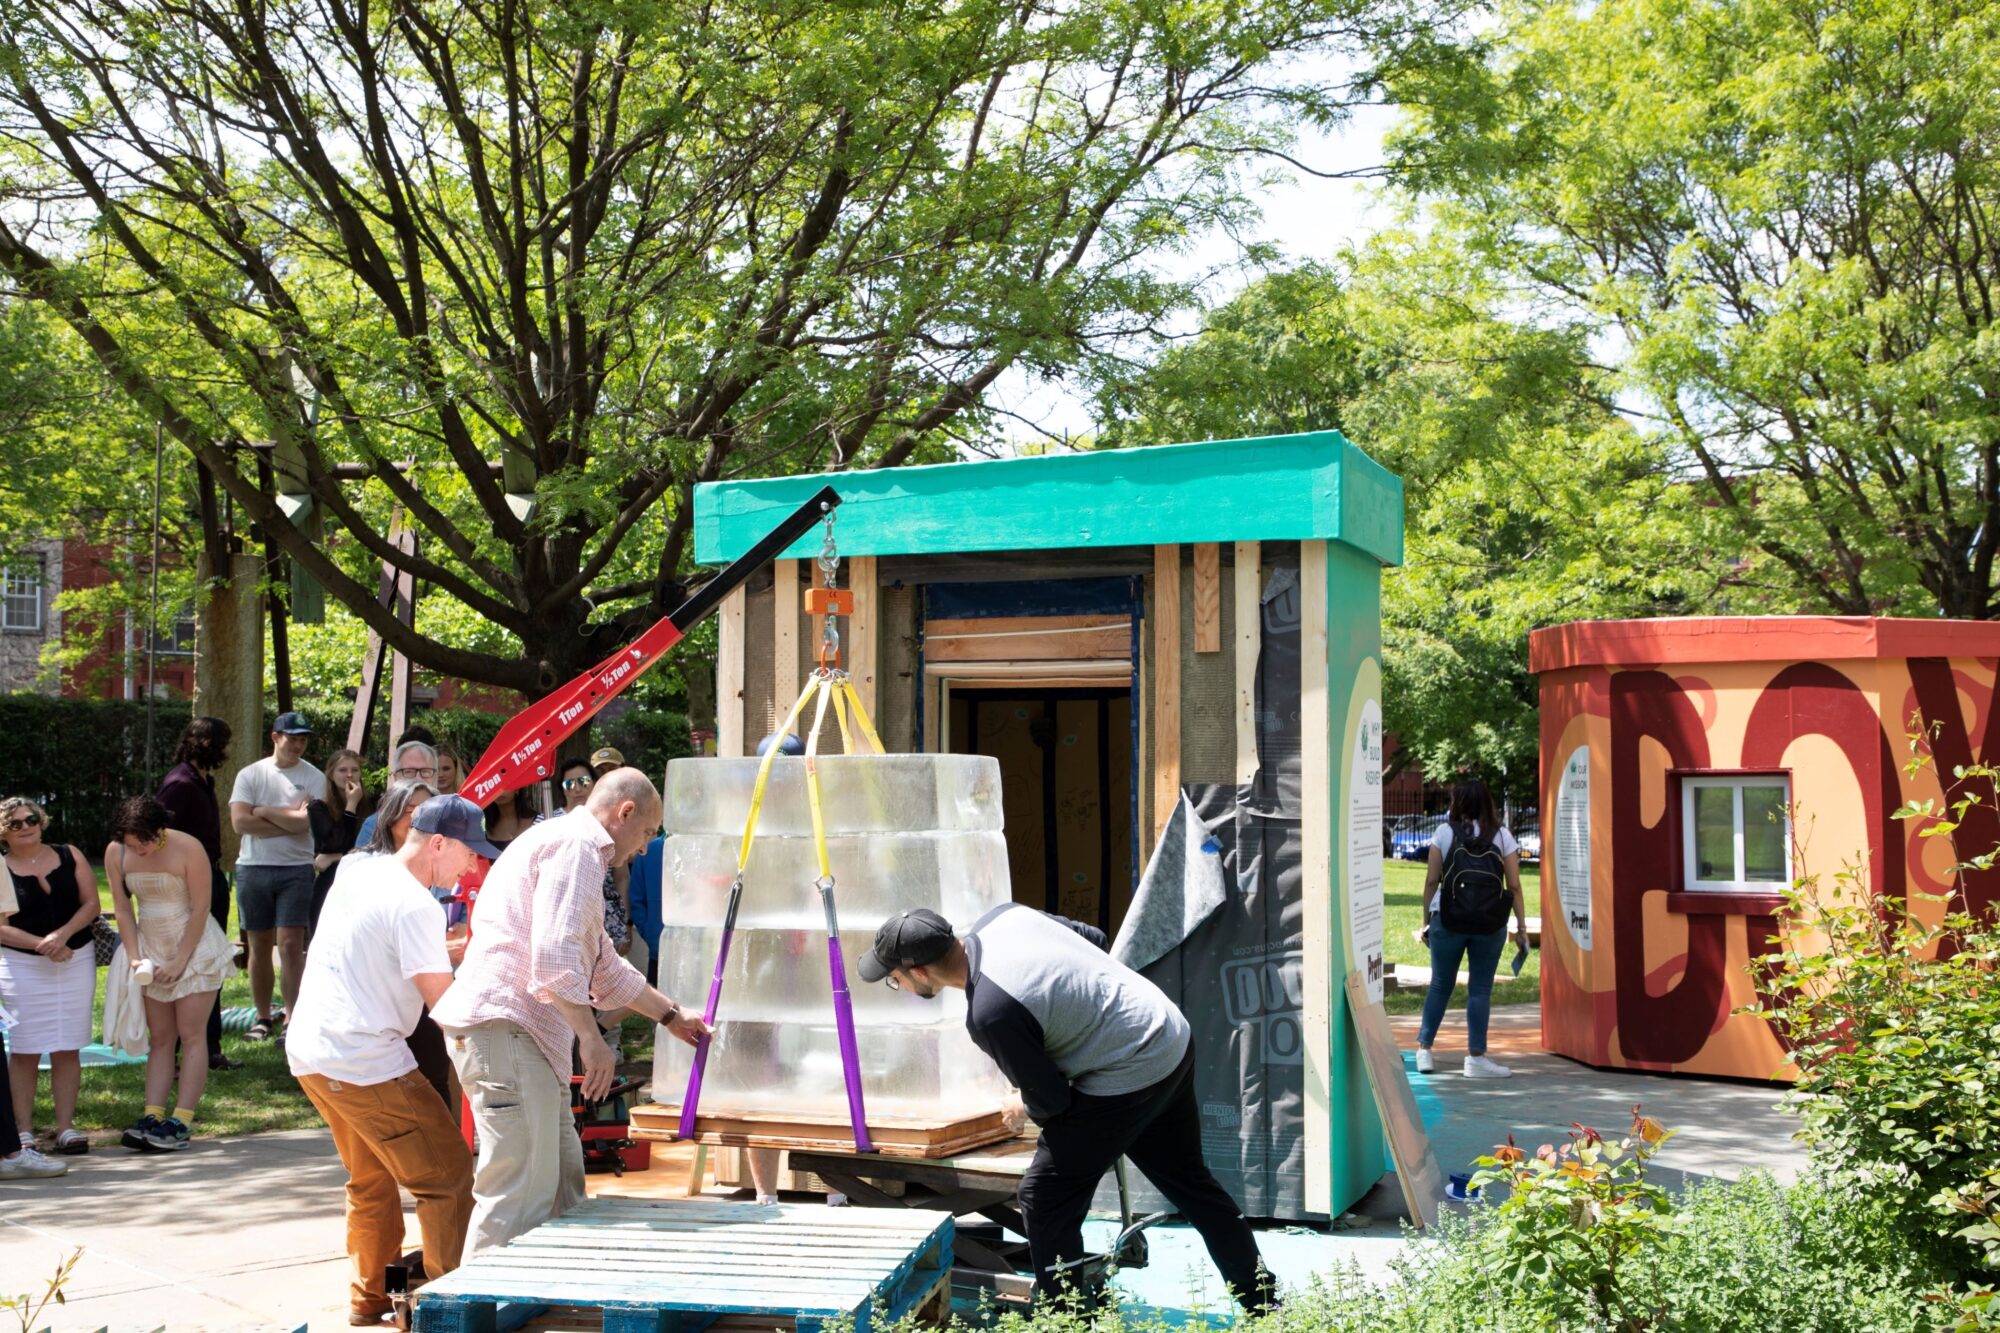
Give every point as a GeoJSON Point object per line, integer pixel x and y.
{"type": "Point", "coordinates": [729, 663]}
{"type": "Point", "coordinates": [785, 679]}
{"type": "Point", "coordinates": [1207, 597]}
{"type": "Point", "coordinates": [859, 640]}
{"type": "Point", "coordinates": [1319, 943]}
{"type": "Point", "coordinates": [1249, 639]}
{"type": "Point", "coordinates": [1166, 688]}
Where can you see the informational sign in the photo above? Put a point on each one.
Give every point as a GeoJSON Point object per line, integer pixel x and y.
{"type": "Point", "coordinates": [1364, 851]}
{"type": "Point", "coordinates": [1573, 846]}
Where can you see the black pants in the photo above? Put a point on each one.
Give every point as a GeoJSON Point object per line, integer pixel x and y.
{"type": "Point", "coordinates": [1159, 1128]}
{"type": "Point", "coordinates": [10, 1129]}
{"type": "Point", "coordinates": [426, 1043]}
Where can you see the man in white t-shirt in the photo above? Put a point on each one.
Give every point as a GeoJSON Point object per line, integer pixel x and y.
{"type": "Point", "coordinates": [379, 957]}
{"type": "Point", "coordinates": [274, 864]}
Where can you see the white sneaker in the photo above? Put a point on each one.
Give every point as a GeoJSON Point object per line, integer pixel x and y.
{"type": "Point", "coordinates": [1478, 1066]}
{"type": "Point", "coordinates": [1425, 1064]}
{"type": "Point", "coordinates": [28, 1164]}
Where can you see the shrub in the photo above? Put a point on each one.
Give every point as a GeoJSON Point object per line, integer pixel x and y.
{"type": "Point", "coordinates": [80, 757]}
{"type": "Point", "coordinates": [1894, 1025]}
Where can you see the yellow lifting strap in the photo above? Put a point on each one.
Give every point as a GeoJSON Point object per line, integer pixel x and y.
{"type": "Point", "coordinates": [830, 687]}
{"type": "Point", "coordinates": [813, 683]}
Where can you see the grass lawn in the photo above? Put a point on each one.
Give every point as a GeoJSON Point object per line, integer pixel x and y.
{"type": "Point", "coordinates": [1403, 914]}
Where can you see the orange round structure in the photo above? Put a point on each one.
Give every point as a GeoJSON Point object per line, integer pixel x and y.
{"type": "Point", "coordinates": [1693, 770]}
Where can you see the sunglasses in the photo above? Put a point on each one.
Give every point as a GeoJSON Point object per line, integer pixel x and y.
{"type": "Point", "coordinates": [26, 821]}
{"type": "Point", "coordinates": [577, 784]}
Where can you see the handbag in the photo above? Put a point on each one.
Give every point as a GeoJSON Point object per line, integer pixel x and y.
{"type": "Point", "coordinates": [104, 935]}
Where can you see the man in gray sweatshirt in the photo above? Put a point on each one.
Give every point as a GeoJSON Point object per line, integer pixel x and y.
{"type": "Point", "coordinates": [1104, 1064]}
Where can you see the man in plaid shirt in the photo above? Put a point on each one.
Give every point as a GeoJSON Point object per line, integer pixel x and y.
{"type": "Point", "coordinates": [538, 964]}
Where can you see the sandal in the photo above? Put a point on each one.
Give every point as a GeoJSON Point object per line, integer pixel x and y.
{"type": "Point", "coordinates": [259, 1031]}
{"type": "Point", "coordinates": [72, 1143]}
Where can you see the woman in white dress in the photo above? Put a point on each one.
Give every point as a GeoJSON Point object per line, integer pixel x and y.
{"type": "Point", "coordinates": [48, 968]}
{"type": "Point", "coordinates": [159, 889]}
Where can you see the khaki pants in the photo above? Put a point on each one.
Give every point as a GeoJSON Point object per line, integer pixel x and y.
{"type": "Point", "coordinates": [391, 1134]}
{"type": "Point", "coordinates": [530, 1165]}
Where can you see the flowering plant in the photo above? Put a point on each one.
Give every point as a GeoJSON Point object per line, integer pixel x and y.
{"type": "Point", "coordinates": [1574, 1219]}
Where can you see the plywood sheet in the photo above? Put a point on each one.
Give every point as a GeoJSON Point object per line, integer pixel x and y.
{"type": "Point", "coordinates": [893, 1136]}
{"type": "Point", "coordinates": [1402, 1124]}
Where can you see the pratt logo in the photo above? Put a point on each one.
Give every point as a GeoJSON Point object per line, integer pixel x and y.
{"type": "Point", "coordinates": [1579, 921]}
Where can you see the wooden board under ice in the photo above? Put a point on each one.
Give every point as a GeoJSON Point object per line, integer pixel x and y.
{"type": "Point", "coordinates": [893, 1136]}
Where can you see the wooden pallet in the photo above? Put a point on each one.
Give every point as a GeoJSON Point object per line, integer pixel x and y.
{"type": "Point", "coordinates": [680, 1267]}
{"type": "Point", "coordinates": [893, 1136]}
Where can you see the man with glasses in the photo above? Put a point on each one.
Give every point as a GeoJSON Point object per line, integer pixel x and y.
{"type": "Point", "coordinates": [537, 965]}
{"type": "Point", "coordinates": [410, 761]}
{"type": "Point", "coordinates": [379, 957]}
{"type": "Point", "coordinates": [274, 863]}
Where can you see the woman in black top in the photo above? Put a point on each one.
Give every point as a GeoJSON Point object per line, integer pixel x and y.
{"type": "Point", "coordinates": [336, 819]}
{"type": "Point", "coordinates": [48, 968]}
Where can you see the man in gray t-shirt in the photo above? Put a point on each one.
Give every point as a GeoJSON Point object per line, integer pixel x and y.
{"type": "Point", "coordinates": [1104, 1064]}
{"type": "Point", "coordinates": [274, 865]}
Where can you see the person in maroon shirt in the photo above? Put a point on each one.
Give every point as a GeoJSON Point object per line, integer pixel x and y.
{"type": "Point", "coordinates": [188, 794]}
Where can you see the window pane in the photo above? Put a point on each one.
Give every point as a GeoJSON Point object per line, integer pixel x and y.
{"type": "Point", "coordinates": [1714, 833]}
{"type": "Point", "coordinates": [1765, 830]}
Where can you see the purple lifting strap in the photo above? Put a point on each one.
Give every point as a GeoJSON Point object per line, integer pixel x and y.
{"type": "Point", "coordinates": [693, 1097]}
{"type": "Point", "coordinates": [850, 1055]}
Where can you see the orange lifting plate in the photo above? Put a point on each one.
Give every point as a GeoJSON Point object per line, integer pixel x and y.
{"type": "Point", "coordinates": [829, 601]}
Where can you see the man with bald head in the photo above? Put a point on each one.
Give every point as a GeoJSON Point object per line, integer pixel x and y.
{"type": "Point", "coordinates": [538, 964]}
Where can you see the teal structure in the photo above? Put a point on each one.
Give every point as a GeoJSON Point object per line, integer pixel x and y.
{"type": "Point", "coordinates": [1345, 512]}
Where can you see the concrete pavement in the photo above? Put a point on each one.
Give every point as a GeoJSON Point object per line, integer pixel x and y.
{"type": "Point", "coordinates": [246, 1234]}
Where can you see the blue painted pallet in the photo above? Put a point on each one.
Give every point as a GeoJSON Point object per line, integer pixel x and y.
{"type": "Point", "coordinates": [673, 1266]}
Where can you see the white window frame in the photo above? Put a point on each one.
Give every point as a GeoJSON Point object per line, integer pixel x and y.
{"type": "Point", "coordinates": [23, 570]}
{"type": "Point", "coordinates": [1733, 782]}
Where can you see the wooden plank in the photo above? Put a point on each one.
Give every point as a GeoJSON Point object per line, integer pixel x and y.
{"type": "Point", "coordinates": [1318, 911]}
{"type": "Point", "coordinates": [1029, 639]}
{"type": "Point", "coordinates": [1207, 597]}
{"type": "Point", "coordinates": [785, 678]}
{"type": "Point", "coordinates": [1249, 608]}
{"type": "Point", "coordinates": [892, 1137]}
{"type": "Point", "coordinates": [1166, 691]}
{"type": "Point", "coordinates": [863, 628]}
{"type": "Point", "coordinates": [730, 661]}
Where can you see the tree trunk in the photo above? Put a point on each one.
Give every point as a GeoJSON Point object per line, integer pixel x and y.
{"type": "Point", "coordinates": [229, 670]}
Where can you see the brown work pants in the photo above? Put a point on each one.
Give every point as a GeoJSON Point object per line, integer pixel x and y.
{"type": "Point", "coordinates": [391, 1134]}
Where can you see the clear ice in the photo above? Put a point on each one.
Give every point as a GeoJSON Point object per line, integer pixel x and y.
{"type": "Point", "coordinates": [903, 831]}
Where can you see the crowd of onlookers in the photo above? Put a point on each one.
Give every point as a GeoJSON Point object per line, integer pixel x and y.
{"type": "Point", "coordinates": [164, 944]}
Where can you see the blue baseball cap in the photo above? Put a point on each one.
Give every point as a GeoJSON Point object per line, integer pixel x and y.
{"type": "Point", "coordinates": [292, 724]}
{"type": "Point", "coordinates": [456, 818]}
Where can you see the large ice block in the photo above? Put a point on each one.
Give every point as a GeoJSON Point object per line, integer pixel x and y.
{"type": "Point", "coordinates": [903, 831]}
{"type": "Point", "coordinates": [860, 793]}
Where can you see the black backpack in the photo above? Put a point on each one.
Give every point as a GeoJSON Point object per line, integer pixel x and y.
{"type": "Point", "coordinates": [1473, 897]}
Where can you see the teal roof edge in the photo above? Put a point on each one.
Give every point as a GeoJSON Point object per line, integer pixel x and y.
{"type": "Point", "coordinates": [1269, 488]}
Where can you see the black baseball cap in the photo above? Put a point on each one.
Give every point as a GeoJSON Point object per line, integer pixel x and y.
{"type": "Point", "coordinates": [292, 724]}
{"type": "Point", "coordinates": [455, 817]}
{"type": "Point", "coordinates": [915, 938]}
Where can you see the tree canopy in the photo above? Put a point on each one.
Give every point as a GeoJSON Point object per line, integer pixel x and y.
{"type": "Point", "coordinates": [1779, 220]}
{"type": "Point", "coordinates": [526, 274]}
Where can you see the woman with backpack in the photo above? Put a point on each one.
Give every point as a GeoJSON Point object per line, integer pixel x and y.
{"type": "Point", "coordinates": [1473, 881]}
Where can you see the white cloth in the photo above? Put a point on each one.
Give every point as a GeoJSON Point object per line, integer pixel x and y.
{"type": "Point", "coordinates": [264, 783]}
{"type": "Point", "coordinates": [1503, 843]}
{"type": "Point", "coordinates": [357, 1002]}
{"type": "Point", "coordinates": [124, 1007]}
{"type": "Point", "coordinates": [52, 1001]}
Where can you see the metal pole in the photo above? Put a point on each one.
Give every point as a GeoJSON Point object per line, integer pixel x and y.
{"type": "Point", "coordinates": [153, 620]}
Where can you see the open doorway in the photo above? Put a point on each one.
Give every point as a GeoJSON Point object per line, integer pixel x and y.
{"type": "Point", "coordinates": [1065, 758]}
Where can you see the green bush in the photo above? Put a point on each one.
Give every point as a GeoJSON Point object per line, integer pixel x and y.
{"type": "Point", "coordinates": [1894, 1025]}
{"type": "Point", "coordinates": [80, 757]}
{"type": "Point", "coordinates": [648, 738]}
